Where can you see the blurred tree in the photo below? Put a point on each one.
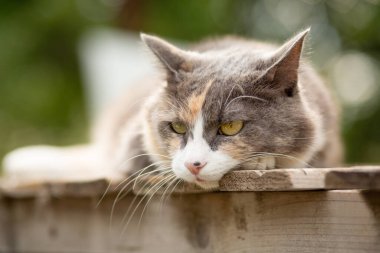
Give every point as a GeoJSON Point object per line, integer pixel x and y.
{"type": "Point", "coordinates": [353, 25]}
{"type": "Point", "coordinates": [41, 94]}
{"type": "Point", "coordinates": [40, 87]}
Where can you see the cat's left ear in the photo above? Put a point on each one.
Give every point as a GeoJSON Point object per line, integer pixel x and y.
{"type": "Point", "coordinates": [174, 60]}
{"type": "Point", "coordinates": [284, 72]}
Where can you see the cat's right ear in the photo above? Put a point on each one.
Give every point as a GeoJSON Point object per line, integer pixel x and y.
{"type": "Point", "coordinates": [173, 59]}
{"type": "Point", "coordinates": [283, 73]}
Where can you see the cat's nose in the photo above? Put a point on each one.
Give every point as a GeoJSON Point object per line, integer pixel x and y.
{"type": "Point", "coordinates": [195, 167]}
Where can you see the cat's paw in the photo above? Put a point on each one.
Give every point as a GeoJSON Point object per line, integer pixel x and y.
{"type": "Point", "coordinates": [263, 163]}
{"type": "Point", "coordinates": [29, 160]}
{"type": "Point", "coordinates": [50, 164]}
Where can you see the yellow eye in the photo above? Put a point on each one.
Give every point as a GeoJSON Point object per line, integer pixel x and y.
{"type": "Point", "coordinates": [178, 127]}
{"type": "Point", "coordinates": [231, 128]}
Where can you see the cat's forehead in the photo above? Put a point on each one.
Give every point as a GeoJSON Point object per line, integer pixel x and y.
{"type": "Point", "coordinates": [208, 100]}
{"type": "Point", "coordinates": [206, 89]}
{"type": "Point", "coordinates": [232, 65]}
{"type": "Point", "coordinates": [193, 103]}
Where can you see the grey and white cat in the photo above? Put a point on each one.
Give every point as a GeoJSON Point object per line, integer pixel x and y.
{"type": "Point", "coordinates": [228, 103]}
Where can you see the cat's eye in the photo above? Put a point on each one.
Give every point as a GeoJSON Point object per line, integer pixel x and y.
{"type": "Point", "coordinates": [178, 127]}
{"type": "Point", "coordinates": [231, 128]}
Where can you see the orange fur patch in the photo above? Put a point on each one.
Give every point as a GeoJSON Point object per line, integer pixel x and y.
{"type": "Point", "coordinates": [194, 105]}
{"type": "Point", "coordinates": [174, 145]}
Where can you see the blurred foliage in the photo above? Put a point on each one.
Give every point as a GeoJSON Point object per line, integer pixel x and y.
{"type": "Point", "coordinates": [42, 99]}
{"type": "Point", "coordinates": [41, 94]}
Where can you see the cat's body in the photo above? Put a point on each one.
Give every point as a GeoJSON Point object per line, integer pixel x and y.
{"type": "Point", "coordinates": [230, 103]}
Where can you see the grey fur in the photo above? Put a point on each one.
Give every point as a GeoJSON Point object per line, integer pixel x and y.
{"type": "Point", "coordinates": [291, 101]}
{"type": "Point", "coordinates": [287, 111]}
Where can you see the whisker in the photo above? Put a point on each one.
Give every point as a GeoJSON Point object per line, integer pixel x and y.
{"type": "Point", "coordinates": [160, 169]}
{"type": "Point", "coordinates": [169, 178]}
{"type": "Point", "coordinates": [229, 94]}
{"type": "Point", "coordinates": [118, 197]}
{"type": "Point", "coordinates": [104, 194]}
{"type": "Point", "coordinates": [156, 187]}
{"type": "Point", "coordinates": [131, 178]}
{"type": "Point", "coordinates": [162, 199]}
{"type": "Point", "coordinates": [171, 192]}
{"type": "Point", "coordinates": [138, 176]}
{"type": "Point", "coordinates": [139, 171]}
{"type": "Point", "coordinates": [254, 97]}
{"type": "Point", "coordinates": [263, 154]}
{"type": "Point", "coordinates": [119, 184]}
{"type": "Point", "coordinates": [139, 192]}
{"type": "Point", "coordinates": [110, 183]}
{"type": "Point", "coordinates": [126, 179]}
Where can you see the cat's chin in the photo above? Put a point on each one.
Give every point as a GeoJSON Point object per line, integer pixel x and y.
{"type": "Point", "coordinates": [208, 185]}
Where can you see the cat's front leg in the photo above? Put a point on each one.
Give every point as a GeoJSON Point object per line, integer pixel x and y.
{"type": "Point", "coordinates": [262, 163]}
{"type": "Point", "coordinates": [54, 164]}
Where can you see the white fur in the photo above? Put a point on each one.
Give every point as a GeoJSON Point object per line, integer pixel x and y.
{"type": "Point", "coordinates": [261, 163]}
{"type": "Point", "coordinates": [149, 139]}
{"type": "Point", "coordinates": [51, 164]}
{"type": "Point", "coordinates": [265, 163]}
{"type": "Point", "coordinates": [197, 149]}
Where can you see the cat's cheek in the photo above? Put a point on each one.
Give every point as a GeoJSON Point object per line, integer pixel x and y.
{"type": "Point", "coordinates": [219, 164]}
{"type": "Point", "coordinates": [234, 150]}
{"type": "Point", "coordinates": [174, 145]}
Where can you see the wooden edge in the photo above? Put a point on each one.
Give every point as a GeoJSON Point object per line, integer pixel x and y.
{"type": "Point", "coordinates": [357, 177]}
{"type": "Point", "coordinates": [55, 189]}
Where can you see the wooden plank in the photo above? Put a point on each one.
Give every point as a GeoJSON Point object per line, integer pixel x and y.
{"type": "Point", "coordinates": [363, 177]}
{"type": "Point", "coordinates": [56, 189]}
{"type": "Point", "coordinates": [358, 177]}
{"type": "Point", "coordinates": [355, 178]}
{"type": "Point", "coordinates": [6, 233]}
{"type": "Point", "coordinates": [313, 221]}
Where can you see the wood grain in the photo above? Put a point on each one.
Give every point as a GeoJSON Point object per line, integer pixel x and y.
{"type": "Point", "coordinates": [357, 177]}
{"type": "Point", "coordinates": [226, 222]}
{"type": "Point", "coordinates": [259, 211]}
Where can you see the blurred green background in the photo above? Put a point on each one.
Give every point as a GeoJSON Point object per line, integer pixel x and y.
{"type": "Point", "coordinates": [41, 90]}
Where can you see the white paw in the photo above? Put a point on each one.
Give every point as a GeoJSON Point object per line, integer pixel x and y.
{"type": "Point", "coordinates": [262, 163]}
{"type": "Point", "coordinates": [266, 163]}
{"type": "Point", "coordinates": [49, 164]}
{"type": "Point", "coordinates": [36, 161]}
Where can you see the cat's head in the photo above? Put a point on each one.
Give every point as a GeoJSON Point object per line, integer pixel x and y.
{"type": "Point", "coordinates": [235, 105]}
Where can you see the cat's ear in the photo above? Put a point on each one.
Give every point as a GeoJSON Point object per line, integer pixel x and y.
{"type": "Point", "coordinates": [283, 73]}
{"type": "Point", "coordinates": [173, 59]}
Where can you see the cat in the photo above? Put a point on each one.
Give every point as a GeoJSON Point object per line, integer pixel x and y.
{"type": "Point", "coordinates": [226, 104]}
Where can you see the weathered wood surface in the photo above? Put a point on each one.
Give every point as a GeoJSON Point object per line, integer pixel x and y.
{"type": "Point", "coordinates": [63, 217]}
{"type": "Point", "coordinates": [357, 177]}
{"type": "Point", "coordinates": [314, 221]}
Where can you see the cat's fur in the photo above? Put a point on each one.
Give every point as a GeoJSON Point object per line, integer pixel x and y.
{"type": "Point", "coordinates": [289, 117]}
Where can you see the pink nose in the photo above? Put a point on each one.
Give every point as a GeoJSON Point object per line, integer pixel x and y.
{"type": "Point", "coordinates": [194, 167]}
